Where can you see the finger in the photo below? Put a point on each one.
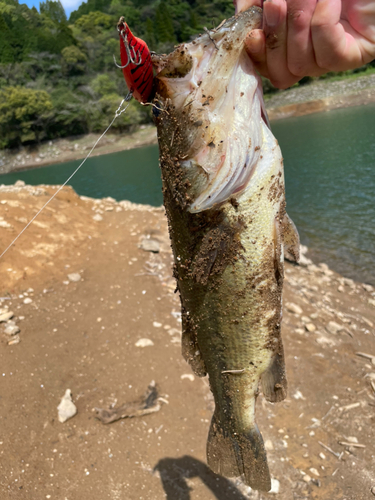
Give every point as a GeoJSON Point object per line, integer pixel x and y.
{"type": "Point", "coordinates": [255, 45]}
{"type": "Point", "coordinates": [241, 5]}
{"type": "Point", "coordinates": [300, 52]}
{"type": "Point", "coordinates": [335, 46]}
{"type": "Point", "coordinates": [275, 29]}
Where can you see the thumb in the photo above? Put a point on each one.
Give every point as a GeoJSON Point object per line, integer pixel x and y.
{"type": "Point", "coordinates": [241, 5]}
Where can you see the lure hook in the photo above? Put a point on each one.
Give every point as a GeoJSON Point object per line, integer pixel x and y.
{"type": "Point", "coordinates": [133, 58]}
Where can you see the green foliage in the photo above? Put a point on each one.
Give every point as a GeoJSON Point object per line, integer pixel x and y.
{"type": "Point", "coordinates": [23, 115]}
{"type": "Point", "coordinates": [54, 10]}
{"type": "Point", "coordinates": [58, 78]}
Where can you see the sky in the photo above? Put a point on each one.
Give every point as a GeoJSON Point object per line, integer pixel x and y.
{"type": "Point", "coordinates": [68, 5]}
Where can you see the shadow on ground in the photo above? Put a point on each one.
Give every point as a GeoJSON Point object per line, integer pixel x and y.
{"type": "Point", "coordinates": [175, 474]}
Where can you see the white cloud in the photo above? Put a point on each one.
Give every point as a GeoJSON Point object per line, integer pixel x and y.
{"type": "Point", "coordinates": [70, 5]}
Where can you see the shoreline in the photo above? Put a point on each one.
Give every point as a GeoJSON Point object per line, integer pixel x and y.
{"type": "Point", "coordinates": [316, 97]}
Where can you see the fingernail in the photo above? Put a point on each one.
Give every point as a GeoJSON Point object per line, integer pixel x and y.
{"type": "Point", "coordinates": [271, 13]}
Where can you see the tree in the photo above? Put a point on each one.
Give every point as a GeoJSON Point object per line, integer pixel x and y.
{"type": "Point", "coordinates": [23, 115]}
{"type": "Point", "coordinates": [54, 10]}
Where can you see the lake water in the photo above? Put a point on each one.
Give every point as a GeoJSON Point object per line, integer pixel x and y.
{"type": "Point", "coordinates": [330, 183]}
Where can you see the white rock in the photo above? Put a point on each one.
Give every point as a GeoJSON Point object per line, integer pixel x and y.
{"type": "Point", "coordinates": [368, 288]}
{"type": "Point", "coordinates": [294, 308]}
{"type": "Point", "coordinates": [275, 486]}
{"type": "Point", "coordinates": [156, 324]}
{"type": "Point", "coordinates": [310, 327]}
{"type": "Point", "coordinates": [11, 329]}
{"type": "Point", "coordinates": [188, 376]}
{"type": "Point", "coordinates": [66, 409]}
{"type": "Point", "coordinates": [27, 300]}
{"type": "Point", "coordinates": [306, 478]}
{"type": "Point", "coordinates": [150, 245]}
{"type": "Point", "coordinates": [352, 439]}
{"type": "Point", "coordinates": [15, 340]}
{"type": "Point", "coordinates": [5, 224]}
{"type": "Point", "coordinates": [268, 445]}
{"type": "Point", "coordinates": [74, 277]}
{"type": "Point", "coordinates": [299, 395]}
{"type": "Point", "coordinates": [144, 343]}
{"type": "Point", "coordinates": [322, 456]}
{"type": "Point", "coordinates": [6, 316]}
{"type": "Point", "coordinates": [97, 217]}
{"type": "Point", "coordinates": [371, 302]}
{"type": "Point", "coordinates": [333, 327]}
{"type": "Point", "coordinates": [314, 471]}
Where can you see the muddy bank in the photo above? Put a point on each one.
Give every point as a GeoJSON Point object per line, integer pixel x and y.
{"type": "Point", "coordinates": [86, 286]}
{"type": "Point", "coordinates": [313, 98]}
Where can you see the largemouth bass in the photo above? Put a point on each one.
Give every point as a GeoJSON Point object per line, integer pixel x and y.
{"type": "Point", "coordinates": [223, 187]}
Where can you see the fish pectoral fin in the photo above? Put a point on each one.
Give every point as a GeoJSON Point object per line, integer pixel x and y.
{"type": "Point", "coordinates": [241, 454]}
{"type": "Point", "coordinates": [274, 383]}
{"type": "Point", "coordinates": [291, 239]}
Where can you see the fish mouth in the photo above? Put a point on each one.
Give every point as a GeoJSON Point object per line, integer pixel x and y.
{"type": "Point", "coordinates": [218, 96]}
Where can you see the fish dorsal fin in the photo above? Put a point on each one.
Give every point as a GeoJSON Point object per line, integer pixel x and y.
{"type": "Point", "coordinates": [291, 239]}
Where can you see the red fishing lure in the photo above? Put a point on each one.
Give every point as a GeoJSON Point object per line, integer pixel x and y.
{"type": "Point", "coordinates": [136, 63]}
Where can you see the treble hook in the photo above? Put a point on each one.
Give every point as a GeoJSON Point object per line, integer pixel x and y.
{"type": "Point", "coordinates": [131, 58]}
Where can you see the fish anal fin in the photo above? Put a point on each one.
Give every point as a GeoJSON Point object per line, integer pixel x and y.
{"type": "Point", "coordinates": [240, 454]}
{"type": "Point", "coordinates": [290, 239]}
{"type": "Point", "coordinates": [274, 382]}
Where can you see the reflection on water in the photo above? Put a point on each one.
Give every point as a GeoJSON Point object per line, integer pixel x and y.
{"type": "Point", "coordinates": [330, 181]}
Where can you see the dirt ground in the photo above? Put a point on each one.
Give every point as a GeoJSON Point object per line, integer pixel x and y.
{"type": "Point", "coordinates": [82, 335]}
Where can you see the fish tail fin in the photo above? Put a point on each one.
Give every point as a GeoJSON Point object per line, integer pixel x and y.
{"type": "Point", "coordinates": [241, 454]}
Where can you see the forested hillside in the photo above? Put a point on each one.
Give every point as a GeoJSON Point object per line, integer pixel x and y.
{"type": "Point", "coordinates": [57, 75]}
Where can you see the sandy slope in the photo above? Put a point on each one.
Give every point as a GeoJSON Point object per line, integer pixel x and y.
{"type": "Point", "coordinates": [81, 335]}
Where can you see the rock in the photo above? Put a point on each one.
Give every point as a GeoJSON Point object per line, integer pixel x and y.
{"type": "Point", "coordinates": [156, 324]}
{"type": "Point", "coordinates": [189, 376]}
{"type": "Point", "coordinates": [323, 340]}
{"type": "Point", "coordinates": [371, 302]}
{"type": "Point", "coordinates": [334, 327]}
{"type": "Point", "coordinates": [368, 288]}
{"type": "Point", "coordinates": [300, 331]}
{"type": "Point", "coordinates": [144, 343]}
{"type": "Point", "coordinates": [66, 409]}
{"type": "Point", "coordinates": [314, 471]}
{"type": "Point", "coordinates": [310, 327]}
{"type": "Point", "coordinates": [322, 456]}
{"type": "Point", "coordinates": [6, 316]}
{"type": "Point", "coordinates": [11, 329]}
{"type": "Point", "coordinates": [97, 217]}
{"type": "Point", "coordinates": [150, 245]}
{"type": "Point", "coordinates": [340, 289]}
{"type": "Point", "coordinates": [27, 300]}
{"type": "Point", "coordinates": [74, 277]}
{"type": "Point", "coordinates": [20, 183]}
{"type": "Point", "coordinates": [293, 308]}
{"type": "Point", "coordinates": [275, 486]}
{"type": "Point", "coordinates": [306, 478]}
{"type": "Point", "coordinates": [4, 224]}
{"type": "Point", "coordinates": [268, 445]}
{"type": "Point", "coordinates": [15, 340]}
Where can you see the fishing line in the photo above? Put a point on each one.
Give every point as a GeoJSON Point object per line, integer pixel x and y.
{"type": "Point", "coordinates": [117, 114]}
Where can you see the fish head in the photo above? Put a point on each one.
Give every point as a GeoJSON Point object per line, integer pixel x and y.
{"type": "Point", "coordinates": [213, 96]}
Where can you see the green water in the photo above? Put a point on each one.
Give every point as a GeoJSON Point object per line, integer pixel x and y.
{"type": "Point", "coordinates": [330, 182]}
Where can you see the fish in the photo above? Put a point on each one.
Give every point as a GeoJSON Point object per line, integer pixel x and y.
{"type": "Point", "coordinates": [224, 196]}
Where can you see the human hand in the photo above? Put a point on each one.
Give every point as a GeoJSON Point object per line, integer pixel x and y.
{"type": "Point", "coordinates": [310, 37]}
